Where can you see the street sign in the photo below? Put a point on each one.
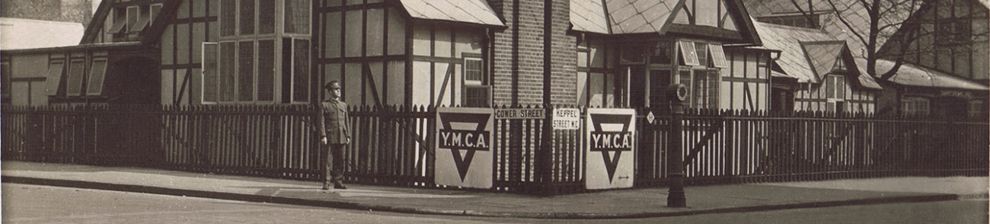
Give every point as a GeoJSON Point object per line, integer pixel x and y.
{"type": "Point", "coordinates": [650, 118]}
{"type": "Point", "coordinates": [566, 119]}
{"type": "Point", "coordinates": [519, 113]}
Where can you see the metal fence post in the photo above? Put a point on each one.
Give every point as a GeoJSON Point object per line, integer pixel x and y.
{"type": "Point", "coordinates": [675, 162]}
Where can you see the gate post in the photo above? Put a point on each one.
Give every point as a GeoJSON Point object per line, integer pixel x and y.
{"type": "Point", "coordinates": [675, 162]}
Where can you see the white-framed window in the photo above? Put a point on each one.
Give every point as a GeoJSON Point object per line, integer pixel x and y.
{"type": "Point", "coordinates": [239, 71]}
{"type": "Point", "coordinates": [119, 21]}
{"type": "Point", "coordinates": [295, 71]}
{"type": "Point", "coordinates": [156, 9]}
{"type": "Point", "coordinates": [915, 106]}
{"type": "Point", "coordinates": [700, 71]}
{"type": "Point", "coordinates": [211, 90]}
{"type": "Point", "coordinates": [689, 54]}
{"type": "Point", "coordinates": [835, 87]}
{"type": "Point", "coordinates": [77, 72]}
{"type": "Point", "coordinates": [477, 92]}
{"type": "Point", "coordinates": [55, 71]}
{"type": "Point", "coordinates": [133, 16]}
{"type": "Point", "coordinates": [97, 73]}
{"type": "Point", "coordinates": [297, 16]}
{"type": "Point", "coordinates": [5, 79]}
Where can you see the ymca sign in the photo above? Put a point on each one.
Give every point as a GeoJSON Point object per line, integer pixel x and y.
{"type": "Point", "coordinates": [611, 148]}
{"type": "Point", "coordinates": [464, 147]}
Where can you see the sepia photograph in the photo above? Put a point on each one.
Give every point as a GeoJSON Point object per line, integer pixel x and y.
{"type": "Point", "coordinates": [495, 111]}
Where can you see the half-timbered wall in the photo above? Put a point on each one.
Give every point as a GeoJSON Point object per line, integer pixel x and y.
{"type": "Point", "coordinates": [745, 84]}
{"type": "Point", "coordinates": [50, 77]}
{"type": "Point", "coordinates": [181, 47]}
{"type": "Point", "coordinates": [834, 90]}
{"type": "Point", "coordinates": [953, 38]}
{"type": "Point", "coordinates": [364, 45]}
{"type": "Point", "coordinates": [440, 57]}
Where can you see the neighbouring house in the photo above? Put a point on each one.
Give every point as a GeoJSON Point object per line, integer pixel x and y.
{"type": "Point", "coordinates": [946, 56]}
{"type": "Point", "coordinates": [476, 53]}
{"type": "Point", "coordinates": [822, 69]}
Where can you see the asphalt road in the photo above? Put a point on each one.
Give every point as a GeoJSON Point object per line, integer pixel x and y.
{"type": "Point", "coordinates": [44, 204]}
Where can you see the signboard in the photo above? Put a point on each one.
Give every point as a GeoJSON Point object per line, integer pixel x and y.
{"type": "Point", "coordinates": [464, 147]}
{"type": "Point", "coordinates": [611, 150]}
{"type": "Point", "coordinates": [519, 113]}
{"type": "Point", "coordinates": [566, 119]}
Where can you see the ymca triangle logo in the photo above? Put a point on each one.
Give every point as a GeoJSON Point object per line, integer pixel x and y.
{"type": "Point", "coordinates": [611, 163]}
{"type": "Point", "coordinates": [463, 162]}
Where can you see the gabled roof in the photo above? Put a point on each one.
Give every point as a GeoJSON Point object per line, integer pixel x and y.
{"type": "Point", "coordinates": [462, 11]}
{"type": "Point", "coordinates": [850, 10]}
{"type": "Point", "coordinates": [807, 54]}
{"type": "Point", "coordinates": [793, 59]}
{"type": "Point", "coordinates": [29, 33]}
{"type": "Point", "coordinates": [151, 33]}
{"type": "Point", "coordinates": [823, 55]}
{"type": "Point", "coordinates": [622, 16]}
{"type": "Point", "coordinates": [914, 75]}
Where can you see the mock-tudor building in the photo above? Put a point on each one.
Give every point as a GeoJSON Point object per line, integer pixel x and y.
{"type": "Point", "coordinates": [600, 53]}
{"type": "Point", "coordinates": [945, 71]}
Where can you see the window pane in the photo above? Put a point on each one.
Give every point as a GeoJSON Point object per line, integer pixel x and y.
{"type": "Point", "coordinates": [247, 16]}
{"type": "Point", "coordinates": [829, 87]}
{"type": "Point", "coordinates": [476, 96]}
{"type": "Point", "coordinates": [210, 90]}
{"type": "Point", "coordinates": [266, 70]}
{"type": "Point", "coordinates": [54, 77]}
{"type": "Point", "coordinates": [245, 70]}
{"type": "Point", "coordinates": [661, 53]}
{"type": "Point", "coordinates": [228, 17]}
{"type": "Point", "coordinates": [77, 70]}
{"type": "Point", "coordinates": [266, 16]}
{"type": "Point", "coordinates": [132, 18]}
{"type": "Point", "coordinates": [473, 70]}
{"type": "Point", "coordinates": [297, 16]}
{"type": "Point", "coordinates": [702, 50]}
{"type": "Point", "coordinates": [227, 77]}
{"type": "Point", "coordinates": [5, 78]}
{"type": "Point", "coordinates": [300, 84]}
{"type": "Point", "coordinates": [96, 75]}
{"type": "Point", "coordinates": [840, 87]}
{"type": "Point", "coordinates": [689, 55]}
{"type": "Point", "coordinates": [155, 9]}
{"type": "Point", "coordinates": [718, 56]}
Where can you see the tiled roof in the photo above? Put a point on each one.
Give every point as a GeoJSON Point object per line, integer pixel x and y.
{"type": "Point", "coordinates": [589, 16]}
{"type": "Point", "coordinates": [913, 75]}
{"type": "Point", "coordinates": [466, 11]}
{"type": "Point", "coordinates": [793, 60]}
{"type": "Point", "coordinates": [806, 54]}
{"type": "Point", "coordinates": [850, 10]}
{"type": "Point", "coordinates": [823, 55]}
{"type": "Point", "coordinates": [622, 16]}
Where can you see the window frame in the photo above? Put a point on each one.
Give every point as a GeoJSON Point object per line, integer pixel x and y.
{"type": "Point", "coordinates": [216, 72]}
{"type": "Point", "coordinates": [91, 84]}
{"type": "Point", "coordinates": [285, 25]}
{"type": "Point", "coordinates": [81, 76]}
{"type": "Point", "coordinates": [468, 85]}
{"type": "Point", "coordinates": [136, 18]}
{"type": "Point", "coordinates": [54, 79]}
{"type": "Point", "coordinates": [152, 13]}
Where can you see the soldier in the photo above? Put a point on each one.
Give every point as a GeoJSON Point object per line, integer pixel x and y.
{"type": "Point", "coordinates": [335, 135]}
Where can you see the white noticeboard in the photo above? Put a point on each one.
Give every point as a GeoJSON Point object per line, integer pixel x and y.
{"type": "Point", "coordinates": [464, 147]}
{"type": "Point", "coordinates": [611, 148]}
{"type": "Point", "coordinates": [566, 119]}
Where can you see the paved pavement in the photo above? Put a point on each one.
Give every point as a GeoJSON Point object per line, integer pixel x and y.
{"type": "Point", "coordinates": [632, 203]}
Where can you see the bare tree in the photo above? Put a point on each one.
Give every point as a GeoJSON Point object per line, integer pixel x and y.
{"type": "Point", "coordinates": [893, 22]}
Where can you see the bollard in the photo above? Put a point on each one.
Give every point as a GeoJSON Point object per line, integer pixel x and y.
{"type": "Point", "coordinates": [678, 93]}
